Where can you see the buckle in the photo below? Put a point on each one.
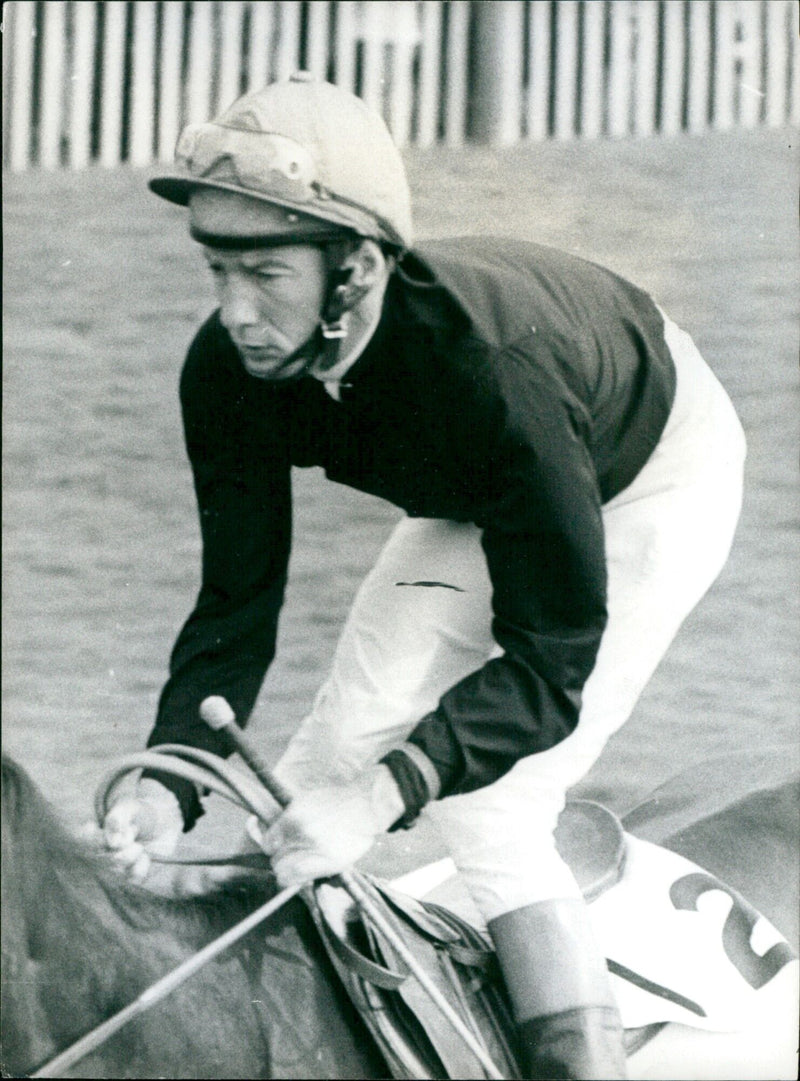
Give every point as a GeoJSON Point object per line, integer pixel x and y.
{"type": "Point", "coordinates": [334, 330]}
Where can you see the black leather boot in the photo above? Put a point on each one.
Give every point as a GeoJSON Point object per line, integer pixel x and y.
{"type": "Point", "coordinates": [568, 1026]}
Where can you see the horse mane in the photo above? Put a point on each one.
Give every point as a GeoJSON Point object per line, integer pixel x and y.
{"type": "Point", "coordinates": [80, 942]}
{"type": "Point", "coordinates": [100, 939]}
{"type": "Point", "coordinates": [87, 888]}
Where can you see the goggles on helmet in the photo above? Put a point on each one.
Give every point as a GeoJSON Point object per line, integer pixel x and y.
{"type": "Point", "coordinates": [262, 162]}
{"type": "Point", "coordinates": [267, 166]}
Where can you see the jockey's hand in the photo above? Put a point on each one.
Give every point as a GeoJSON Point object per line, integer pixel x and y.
{"type": "Point", "coordinates": [142, 826]}
{"type": "Point", "coordinates": [325, 830]}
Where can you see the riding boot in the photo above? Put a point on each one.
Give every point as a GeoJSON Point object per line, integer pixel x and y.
{"type": "Point", "coordinates": [568, 1025]}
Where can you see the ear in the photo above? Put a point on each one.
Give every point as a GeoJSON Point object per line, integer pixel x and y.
{"type": "Point", "coordinates": [367, 264]}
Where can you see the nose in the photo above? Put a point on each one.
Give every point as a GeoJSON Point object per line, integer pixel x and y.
{"type": "Point", "coordinates": [238, 307]}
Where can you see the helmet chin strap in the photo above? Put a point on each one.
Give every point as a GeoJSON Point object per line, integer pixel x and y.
{"type": "Point", "coordinates": [323, 347]}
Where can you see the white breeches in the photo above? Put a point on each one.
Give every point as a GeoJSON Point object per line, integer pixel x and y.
{"type": "Point", "coordinates": [667, 537]}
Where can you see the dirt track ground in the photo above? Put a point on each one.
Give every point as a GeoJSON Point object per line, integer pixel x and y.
{"type": "Point", "coordinates": [102, 294]}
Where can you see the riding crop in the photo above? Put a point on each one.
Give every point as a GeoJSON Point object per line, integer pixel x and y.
{"type": "Point", "coordinates": [217, 714]}
{"type": "Point", "coordinates": [161, 988]}
{"type": "Point", "coordinates": [211, 773]}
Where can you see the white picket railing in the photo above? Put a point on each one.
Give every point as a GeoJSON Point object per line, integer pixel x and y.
{"type": "Point", "coordinates": [636, 67]}
{"type": "Point", "coordinates": [115, 80]}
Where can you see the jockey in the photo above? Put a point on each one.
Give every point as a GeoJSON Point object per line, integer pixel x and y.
{"type": "Point", "coordinates": [571, 471]}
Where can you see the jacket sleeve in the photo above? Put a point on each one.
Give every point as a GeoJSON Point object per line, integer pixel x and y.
{"type": "Point", "coordinates": [239, 458]}
{"type": "Point", "coordinates": [544, 546]}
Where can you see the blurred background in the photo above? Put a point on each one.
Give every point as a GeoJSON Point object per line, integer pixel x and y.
{"type": "Point", "coordinates": [115, 81]}
{"type": "Point", "coordinates": [658, 137]}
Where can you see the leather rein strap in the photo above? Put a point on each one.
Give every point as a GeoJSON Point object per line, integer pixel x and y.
{"type": "Point", "coordinates": [208, 771]}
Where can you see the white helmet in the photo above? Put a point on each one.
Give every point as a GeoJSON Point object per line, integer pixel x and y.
{"type": "Point", "coordinates": [304, 145]}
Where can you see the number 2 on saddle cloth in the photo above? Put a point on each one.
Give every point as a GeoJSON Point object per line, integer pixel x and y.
{"type": "Point", "coordinates": [681, 947]}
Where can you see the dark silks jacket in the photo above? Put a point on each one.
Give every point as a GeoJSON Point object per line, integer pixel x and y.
{"type": "Point", "coordinates": [509, 385]}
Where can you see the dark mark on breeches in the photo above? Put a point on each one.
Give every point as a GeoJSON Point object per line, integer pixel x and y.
{"type": "Point", "coordinates": [431, 585]}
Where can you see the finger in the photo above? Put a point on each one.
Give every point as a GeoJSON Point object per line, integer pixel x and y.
{"type": "Point", "coordinates": [270, 840]}
{"type": "Point", "coordinates": [147, 820]}
{"type": "Point", "coordinates": [140, 868]}
{"type": "Point", "coordinates": [119, 839]}
{"type": "Point", "coordinates": [124, 858]}
{"type": "Point", "coordinates": [250, 840]}
{"type": "Point", "coordinates": [298, 868]}
{"type": "Point", "coordinates": [119, 826]}
{"type": "Point", "coordinates": [256, 831]}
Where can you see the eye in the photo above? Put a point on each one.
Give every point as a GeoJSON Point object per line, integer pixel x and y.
{"type": "Point", "coordinates": [269, 273]}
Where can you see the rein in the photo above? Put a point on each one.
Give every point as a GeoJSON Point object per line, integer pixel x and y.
{"type": "Point", "coordinates": [210, 772]}
{"type": "Point", "coordinates": [219, 716]}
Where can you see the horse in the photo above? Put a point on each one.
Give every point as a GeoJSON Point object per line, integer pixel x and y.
{"type": "Point", "coordinates": [711, 814]}
{"type": "Point", "coordinates": [80, 942]}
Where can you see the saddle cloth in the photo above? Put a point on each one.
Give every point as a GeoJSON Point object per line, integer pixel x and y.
{"type": "Point", "coordinates": [414, 1037]}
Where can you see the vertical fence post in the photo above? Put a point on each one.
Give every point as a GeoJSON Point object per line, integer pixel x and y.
{"type": "Point", "coordinates": [413, 68]}
{"type": "Point", "coordinates": [345, 45]}
{"type": "Point", "coordinates": [724, 54]}
{"type": "Point", "coordinates": [539, 84]}
{"type": "Point", "coordinates": [170, 89]}
{"type": "Point", "coordinates": [8, 25]}
{"type": "Point", "coordinates": [646, 74]}
{"type": "Point", "coordinates": [737, 86]}
{"type": "Point", "coordinates": [23, 31]}
{"type": "Point", "coordinates": [52, 84]}
{"type": "Point", "coordinates": [143, 82]}
{"type": "Point", "coordinates": [778, 31]}
{"type": "Point", "coordinates": [371, 36]}
{"type": "Point", "coordinates": [262, 30]}
{"type": "Point", "coordinates": [592, 90]}
{"type": "Point", "coordinates": [7, 29]}
{"type": "Point", "coordinates": [674, 68]}
{"type": "Point", "coordinates": [699, 61]}
{"type": "Point", "coordinates": [230, 54]}
{"type": "Point", "coordinates": [429, 71]}
{"type": "Point", "coordinates": [112, 85]}
{"type": "Point", "coordinates": [793, 46]}
{"type": "Point", "coordinates": [565, 84]}
{"type": "Point", "coordinates": [497, 83]}
{"type": "Point", "coordinates": [621, 69]}
{"type": "Point", "coordinates": [287, 52]}
{"type": "Point", "coordinates": [319, 17]}
{"type": "Point", "coordinates": [201, 45]}
{"type": "Point", "coordinates": [455, 98]}
{"type": "Point", "coordinates": [401, 96]}
{"type": "Point", "coordinates": [405, 39]}
{"type": "Point", "coordinates": [79, 124]}
{"type": "Point", "coordinates": [750, 82]}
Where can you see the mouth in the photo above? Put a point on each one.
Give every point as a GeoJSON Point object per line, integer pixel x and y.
{"type": "Point", "coordinates": [267, 362]}
{"type": "Point", "coordinates": [257, 348]}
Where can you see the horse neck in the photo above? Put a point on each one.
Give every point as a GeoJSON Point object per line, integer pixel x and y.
{"type": "Point", "coordinates": [84, 924]}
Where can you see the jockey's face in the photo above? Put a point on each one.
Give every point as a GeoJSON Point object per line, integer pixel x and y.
{"type": "Point", "coordinates": [270, 303]}
{"type": "Point", "coordinates": [270, 298]}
